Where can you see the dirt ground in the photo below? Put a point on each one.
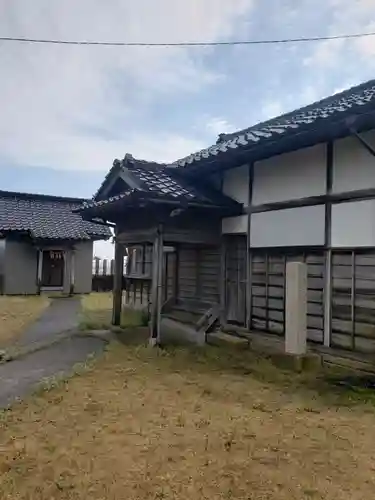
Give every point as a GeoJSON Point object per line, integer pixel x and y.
{"type": "Point", "coordinates": [17, 313]}
{"type": "Point", "coordinates": [143, 423]}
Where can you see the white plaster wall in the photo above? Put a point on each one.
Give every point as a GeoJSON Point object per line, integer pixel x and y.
{"type": "Point", "coordinates": [234, 225]}
{"type": "Point", "coordinates": [290, 176]}
{"type": "Point", "coordinates": [302, 226]}
{"type": "Point", "coordinates": [353, 165]}
{"type": "Point", "coordinates": [236, 184]}
{"type": "Point", "coordinates": [353, 224]}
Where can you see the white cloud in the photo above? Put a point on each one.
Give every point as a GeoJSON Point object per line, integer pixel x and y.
{"type": "Point", "coordinates": [349, 16]}
{"type": "Point", "coordinates": [50, 94]}
{"type": "Point", "coordinates": [271, 109]}
{"type": "Point", "coordinates": [218, 126]}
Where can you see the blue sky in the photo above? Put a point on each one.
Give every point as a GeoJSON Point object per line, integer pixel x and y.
{"type": "Point", "coordinates": [67, 112]}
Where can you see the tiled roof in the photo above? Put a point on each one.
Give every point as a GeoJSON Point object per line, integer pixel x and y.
{"type": "Point", "coordinates": [46, 217]}
{"type": "Point", "coordinates": [149, 180]}
{"type": "Point", "coordinates": [163, 181]}
{"type": "Point", "coordinates": [354, 101]}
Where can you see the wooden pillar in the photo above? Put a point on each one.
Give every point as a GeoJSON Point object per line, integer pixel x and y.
{"type": "Point", "coordinates": [327, 291]}
{"type": "Point", "coordinates": [160, 285]}
{"type": "Point", "coordinates": [223, 280]}
{"type": "Point", "coordinates": [117, 283]}
{"type": "Point", "coordinates": [154, 290]}
{"type": "Point", "coordinates": [249, 255]}
{"type": "Point", "coordinates": [176, 291]}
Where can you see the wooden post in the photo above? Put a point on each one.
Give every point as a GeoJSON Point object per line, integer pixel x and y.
{"type": "Point", "coordinates": [223, 281]}
{"type": "Point", "coordinates": [327, 291]}
{"type": "Point", "coordinates": [157, 285]}
{"type": "Point", "coordinates": [117, 283]}
{"type": "Point", "coordinates": [160, 285]}
{"type": "Point", "coordinates": [249, 255]}
{"type": "Point", "coordinates": [154, 291]}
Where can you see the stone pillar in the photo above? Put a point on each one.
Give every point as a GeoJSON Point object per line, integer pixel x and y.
{"type": "Point", "coordinates": [296, 308]}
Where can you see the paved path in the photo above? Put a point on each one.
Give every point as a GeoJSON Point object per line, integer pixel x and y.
{"type": "Point", "coordinates": [61, 315]}
{"type": "Point", "coordinates": [19, 377]}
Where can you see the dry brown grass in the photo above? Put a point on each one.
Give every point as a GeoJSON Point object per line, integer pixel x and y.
{"type": "Point", "coordinates": [17, 313]}
{"type": "Point", "coordinates": [148, 424]}
{"type": "Point", "coordinates": [97, 312]}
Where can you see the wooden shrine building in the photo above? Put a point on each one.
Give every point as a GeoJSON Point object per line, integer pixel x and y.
{"type": "Point", "coordinates": [172, 226]}
{"type": "Point", "coordinates": [210, 236]}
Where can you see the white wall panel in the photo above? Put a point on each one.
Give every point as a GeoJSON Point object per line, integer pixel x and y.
{"type": "Point", "coordinates": [302, 226]}
{"type": "Point", "coordinates": [290, 176]}
{"type": "Point", "coordinates": [236, 184]}
{"type": "Point", "coordinates": [353, 165]}
{"type": "Point", "coordinates": [234, 225]}
{"type": "Point", "coordinates": [353, 224]}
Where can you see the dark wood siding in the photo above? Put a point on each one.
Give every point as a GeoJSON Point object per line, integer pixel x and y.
{"type": "Point", "coordinates": [199, 273]}
{"type": "Point", "coordinates": [209, 274]}
{"type": "Point", "coordinates": [268, 291]}
{"type": "Point", "coordinates": [235, 279]}
{"type": "Point", "coordinates": [353, 300]}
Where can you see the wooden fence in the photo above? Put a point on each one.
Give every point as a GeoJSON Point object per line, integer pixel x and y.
{"type": "Point", "coordinates": [102, 274]}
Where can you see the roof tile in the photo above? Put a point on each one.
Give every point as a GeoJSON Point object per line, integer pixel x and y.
{"type": "Point", "coordinates": [350, 101]}
{"type": "Point", "coordinates": [46, 217]}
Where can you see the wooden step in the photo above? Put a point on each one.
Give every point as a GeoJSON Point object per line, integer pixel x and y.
{"type": "Point", "coordinates": [185, 317]}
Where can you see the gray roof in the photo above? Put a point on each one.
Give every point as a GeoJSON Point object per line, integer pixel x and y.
{"type": "Point", "coordinates": [46, 217]}
{"type": "Point", "coordinates": [154, 181]}
{"type": "Point", "coordinates": [326, 112]}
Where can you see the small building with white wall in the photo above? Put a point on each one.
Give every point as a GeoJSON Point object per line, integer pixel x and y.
{"type": "Point", "coordinates": [44, 246]}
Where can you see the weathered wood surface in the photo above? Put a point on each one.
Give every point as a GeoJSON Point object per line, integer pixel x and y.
{"type": "Point", "coordinates": [268, 292]}
{"type": "Point", "coordinates": [353, 300]}
{"type": "Point", "coordinates": [235, 300]}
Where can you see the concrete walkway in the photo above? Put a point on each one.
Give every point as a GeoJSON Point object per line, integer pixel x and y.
{"type": "Point", "coordinates": [19, 377]}
{"type": "Point", "coordinates": [61, 316]}
{"type": "Point", "coordinates": [58, 353]}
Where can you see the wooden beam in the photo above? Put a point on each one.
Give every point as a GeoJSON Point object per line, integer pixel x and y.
{"type": "Point", "coordinates": [135, 237]}
{"type": "Point", "coordinates": [117, 283]}
{"type": "Point", "coordinates": [363, 141]}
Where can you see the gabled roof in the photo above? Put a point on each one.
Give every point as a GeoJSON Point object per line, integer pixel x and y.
{"type": "Point", "coordinates": [322, 120]}
{"type": "Point", "coordinates": [46, 217]}
{"type": "Point", "coordinates": [155, 182]}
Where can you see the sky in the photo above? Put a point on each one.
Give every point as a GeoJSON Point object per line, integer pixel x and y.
{"type": "Point", "coordinates": [66, 112]}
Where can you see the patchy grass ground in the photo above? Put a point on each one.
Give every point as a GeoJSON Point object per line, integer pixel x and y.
{"type": "Point", "coordinates": [97, 313]}
{"type": "Point", "coordinates": [17, 313]}
{"type": "Point", "coordinates": [149, 424]}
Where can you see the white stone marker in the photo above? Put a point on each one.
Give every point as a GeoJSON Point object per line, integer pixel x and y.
{"type": "Point", "coordinates": [296, 308]}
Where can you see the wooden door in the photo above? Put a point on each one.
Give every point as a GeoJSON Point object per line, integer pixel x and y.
{"type": "Point", "coordinates": [235, 282]}
{"type": "Point", "coordinates": [53, 268]}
